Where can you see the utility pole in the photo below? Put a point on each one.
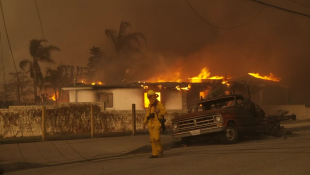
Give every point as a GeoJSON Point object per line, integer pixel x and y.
{"type": "Point", "coordinates": [5, 89]}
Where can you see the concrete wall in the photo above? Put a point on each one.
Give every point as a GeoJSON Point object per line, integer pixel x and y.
{"type": "Point", "coordinates": [302, 112]}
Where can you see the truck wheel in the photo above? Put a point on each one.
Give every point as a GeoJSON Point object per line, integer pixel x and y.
{"type": "Point", "coordinates": [230, 135]}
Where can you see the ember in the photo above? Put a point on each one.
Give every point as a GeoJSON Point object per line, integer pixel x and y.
{"type": "Point", "coordinates": [271, 77]}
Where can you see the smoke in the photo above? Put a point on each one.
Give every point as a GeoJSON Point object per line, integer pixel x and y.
{"type": "Point", "coordinates": [271, 41]}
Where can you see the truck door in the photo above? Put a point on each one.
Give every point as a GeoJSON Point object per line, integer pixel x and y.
{"type": "Point", "coordinates": [246, 114]}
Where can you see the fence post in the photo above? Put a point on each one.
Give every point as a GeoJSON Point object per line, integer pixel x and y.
{"type": "Point", "coordinates": [91, 121]}
{"type": "Point", "coordinates": [133, 119]}
{"type": "Point", "coordinates": [43, 123]}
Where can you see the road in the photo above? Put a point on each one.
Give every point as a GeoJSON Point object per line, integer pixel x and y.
{"type": "Point", "coordinates": [269, 156]}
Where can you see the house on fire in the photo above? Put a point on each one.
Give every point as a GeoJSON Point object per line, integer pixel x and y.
{"type": "Point", "coordinates": [178, 96]}
{"type": "Point", "coordinates": [175, 96]}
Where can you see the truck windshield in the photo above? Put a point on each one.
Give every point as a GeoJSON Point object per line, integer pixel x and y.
{"type": "Point", "coordinates": [219, 103]}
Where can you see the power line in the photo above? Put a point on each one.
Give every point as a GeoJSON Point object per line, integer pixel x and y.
{"type": "Point", "coordinates": [280, 8]}
{"type": "Point", "coordinates": [18, 80]}
{"type": "Point", "coordinates": [300, 3]}
{"type": "Point", "coordinates": [35, 1]}
{"type": "Point", "coordinates": [215, 25]}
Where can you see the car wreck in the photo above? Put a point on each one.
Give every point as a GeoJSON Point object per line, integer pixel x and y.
{"type": "Point", "coordinates": [228, 117]}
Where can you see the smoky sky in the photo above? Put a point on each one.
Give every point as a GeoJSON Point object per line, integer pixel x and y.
{"type": "Point", "coordinates": [271, 41]}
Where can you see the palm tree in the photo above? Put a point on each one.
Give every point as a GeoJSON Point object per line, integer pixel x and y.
{"type": "Point", "coordinates": [39, 53]}
{"type": "Point", "coordinates": [95, 61]}
{"type": "Point", "coordinates": [57, 78]}
{"type": "Point", "coordinates": [123, 41]}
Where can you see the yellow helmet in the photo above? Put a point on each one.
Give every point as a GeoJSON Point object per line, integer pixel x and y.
{"type": "Point", "coordinates": [151, 92]}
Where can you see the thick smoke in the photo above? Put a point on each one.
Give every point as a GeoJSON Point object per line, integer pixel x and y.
{"type": "Point", "coordinates": [177, 39]}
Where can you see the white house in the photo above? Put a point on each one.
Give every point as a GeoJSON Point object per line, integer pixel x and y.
{"type": "Point", "coordinates": [122, 96]}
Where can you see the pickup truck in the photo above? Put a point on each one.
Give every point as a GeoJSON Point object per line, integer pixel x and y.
{"type": "Point", "coordinates": [227, 116]}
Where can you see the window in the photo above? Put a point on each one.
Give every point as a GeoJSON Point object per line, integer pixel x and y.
{"type": "Point", "coordinates": [146, 100]}
{"type": "Point", "coordinates": [107, 98]}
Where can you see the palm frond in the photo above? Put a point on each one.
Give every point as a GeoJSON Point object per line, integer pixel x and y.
{"type": "Point", "coordinates": [137, 36]}
{"type": "Point", "coordinates": [123, 30]}
{"type": "Point", "coordinates": [24, 63]}
{"type": "Point", "coordinates": [51, 48]}
{"type": "Point", "coordinates": [112, 35]}
{"type": "Point", "coordinates": [34, 46]}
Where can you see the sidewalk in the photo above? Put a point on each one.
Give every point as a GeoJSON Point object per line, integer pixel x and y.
{"type": "Point", "coordinates": [21, 156]}
{"type": "Point", "coordinates": [298, 125]}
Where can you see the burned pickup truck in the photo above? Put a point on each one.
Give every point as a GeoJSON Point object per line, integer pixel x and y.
{"type": "Point", "coordinates": [228, 117]}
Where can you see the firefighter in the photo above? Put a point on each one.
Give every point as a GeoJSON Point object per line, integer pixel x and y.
{"type": "Point", "coordinates": [155, 112]}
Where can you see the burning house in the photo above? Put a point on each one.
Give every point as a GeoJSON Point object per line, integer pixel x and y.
{"type": "Point", "coordinates": [179, 95]}
{"type": "Point", "coordinates": [266, 91]}
{"type": "Point", "coordinates": [174, 95]}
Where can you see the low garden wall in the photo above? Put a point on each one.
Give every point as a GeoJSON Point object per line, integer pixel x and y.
{"type": "Point", "coordinates": [70, 119]}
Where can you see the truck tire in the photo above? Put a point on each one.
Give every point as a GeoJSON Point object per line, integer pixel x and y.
{"type": "Point", "coordinates": [230, 135]}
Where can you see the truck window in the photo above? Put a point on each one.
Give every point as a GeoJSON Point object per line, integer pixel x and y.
{"type": "Point", "coordinates": [219, 103]}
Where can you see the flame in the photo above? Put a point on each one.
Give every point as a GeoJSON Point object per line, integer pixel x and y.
{"type": "Point", "coordinates": [203, 75]}
{"type": "Point", "coordinates": [170, 76]}
{"type": "Point", "coordinates": [183, 88]}
{"type": "Point", "coordinates": [271, 77]}
{"type": "Point", "coordinates": [98, 82]}
{"type": "Point", "coordinates": [53, 98]}
{"type": "Point", "coordinates": [216, 78]}
{"type": "Point", "coordinates": [175, 76]}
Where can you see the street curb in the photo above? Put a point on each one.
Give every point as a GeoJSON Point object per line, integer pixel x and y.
{"type": "Point", "coordinates": [301, 128]}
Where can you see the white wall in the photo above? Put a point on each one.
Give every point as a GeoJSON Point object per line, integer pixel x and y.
{"type": "Point", "coordinates": [83, 96]}
{"type": "Point", "coordinates": [173, 99]}
{"type": "Point", "coordinates": [301, 111]}
{"type": "Point", "coordinates": [87, 96]}
{"type": "Point", "coordinates": [123, 98]}
{"type": "Point", "coordinates": [72, 96]}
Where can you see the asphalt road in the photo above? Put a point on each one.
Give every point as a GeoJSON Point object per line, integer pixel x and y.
{"type": "Point", "coordinates": [269, 156]}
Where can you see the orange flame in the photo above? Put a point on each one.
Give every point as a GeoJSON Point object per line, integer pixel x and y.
{"type": "Point", "coordinates": [203, 75]}
{"type": "Point", "coordinates": [53, 98]}
{"type": "Point", "coordinates": [168, 77]}
{"type": "Point", "coordinates": [98, 82]}
{"type": "Point", "coordinates": [271, 77]}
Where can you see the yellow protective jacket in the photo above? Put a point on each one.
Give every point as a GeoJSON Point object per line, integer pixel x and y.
{"type": "Point", "coordinates": [158, 115]}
